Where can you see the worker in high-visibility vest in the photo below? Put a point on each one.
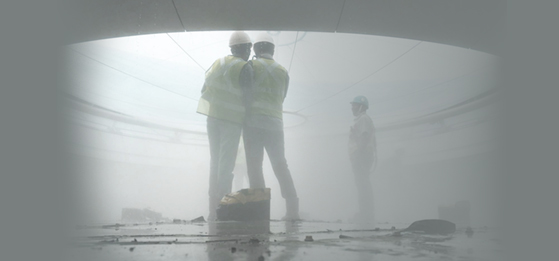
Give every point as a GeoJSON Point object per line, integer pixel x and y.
{"type": "Point", "coordinates": [225, 94]}
{"type": "Point", "coordinates": [264, 124]}
{"type": "Point", "coordinates": [362, 154]}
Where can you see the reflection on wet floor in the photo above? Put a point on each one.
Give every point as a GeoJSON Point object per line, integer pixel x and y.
{"type": "Point", "coordinates": [236, 239]}
{"type": "Point", "coordinates": [277, 240]}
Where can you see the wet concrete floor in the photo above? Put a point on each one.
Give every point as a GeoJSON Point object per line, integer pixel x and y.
{"type": "Point", "coordinates": [276, 240]}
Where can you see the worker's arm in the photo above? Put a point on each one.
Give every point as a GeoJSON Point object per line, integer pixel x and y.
{"type": "Point", "coordinates": [364, 136]}
{"type": "Point", "coordinates": [203, 88]}
{"type": "Point", "coordinates": [246, 80]}
{"type": "Point", "coordinates": [286, 86]}
{"type": "Point", "coordinates": [363, 141]}
{"type": "Point", "coordinates": [208, 72]}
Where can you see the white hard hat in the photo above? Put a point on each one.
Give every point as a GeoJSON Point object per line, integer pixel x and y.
{"type": "Point", "coordinates": [263, 37]}
{"type": "Point", "coordinates": [238, 37]}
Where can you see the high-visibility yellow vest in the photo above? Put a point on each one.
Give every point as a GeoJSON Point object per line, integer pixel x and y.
{"type": "Point", "coordinates": [222, 96]}
{"type": "Point", "coordinates": [269, 87]}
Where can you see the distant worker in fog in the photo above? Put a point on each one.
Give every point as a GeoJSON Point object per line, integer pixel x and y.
{"type": "Point", "coordinates": [225, 94]}
{"type": "Point", "coordinates": [264, 124]}
{"type": "Point", "coordinates": [362, 153]}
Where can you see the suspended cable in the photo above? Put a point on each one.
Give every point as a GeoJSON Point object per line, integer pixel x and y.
{"type": "Point", "coordinates": [415, 112]}
{"type": "Point", "coordinates": [433, 86]}
{"type": "Point", "coordinates": [168, 140]}
{"type": "Point", "coordinates": [297, 115]}
{"type": "Point", "coordinates": [143, 105]}
{"type": "Point", "coordinates": [130, 75]}
{"type": "Point", "coordinates": [366, 77]}
{"type": "Point", "coordinates": [128, 153]}
{"type": "Point", "coordinates": [340, 17]}
{"type": "Point", "coordinates": [102, 112]}
{"type": "Point", "coordinates": [470, 145]}
{"type": "Point", "coordinates": [201, 67]}
{"type": "Point", "coordinates": [451, 128]}
{"type": "Point", "coordinates": [178, 15]}
{"type": "Point", "coordinates": [293, 53]}
{"type": "Point", "coordinates": [414, 92]}
{"type": "Point", "coordinates": [296, 40]}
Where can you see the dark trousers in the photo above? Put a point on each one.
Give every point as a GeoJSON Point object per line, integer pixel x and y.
{"type": "Point", "coordinates": [255, 141]}
{"type": "Point", "coordinates": [361, 166]}
{"type": "Point", "coordinates": [224, 139]}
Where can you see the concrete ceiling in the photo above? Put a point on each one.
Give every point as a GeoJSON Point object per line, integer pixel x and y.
{"type": "Point", "coordinates": [474, 24]}
{"type": "Point", "coordinates": [430, 89]}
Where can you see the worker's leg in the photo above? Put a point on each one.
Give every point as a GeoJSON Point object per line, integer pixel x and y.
{"type": "Point", "coordinates": [274, 144]}
{"type": "Point", "coordinates": [365, 193]}
{"type": "Point", "coordinates": [230, 134]}
{"type": "Point", "coordinates": [254, 151]}
{"type": "Point", "coordinates": [214, 141]}
{"type": "Point", "coordinates": [364, 190]}
{"type": "Point", "coordinates": [240, 173]}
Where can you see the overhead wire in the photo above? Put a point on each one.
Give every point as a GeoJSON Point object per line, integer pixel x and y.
{"type": "Point", "coordinates": [167, 140]}
{"type": "Point", "coordinates": [415, 112]}
{"type": "Point", "coordinates": [297, 39]}
{"type": "Point", "coordinates": [470, 145]}
{"type": "Point", "coordinates": [366, 77]}
{"type": "Point", "coordinates": [194, 60]}
{"type": "Point", "coordinates": [417, 91]}
{"type": "Point", "coordinates": [130, 75]}
{"type": "Point", "coordinates": [178, 15]}
{"type": "Point", "coordinates": [293, 53]}
{"type": "Point", "coordinates": [450, 129]}
{"type": "Point", "coordinates": [340, 17]}
{"type": "Point", "coordinates": [432, 86]}
{"type": "Point", "coordinates": [142, 105]}
{"type": "Point", "coordinates": [127, 118]}
{"type": "Point", "coordinates": [128, 153]}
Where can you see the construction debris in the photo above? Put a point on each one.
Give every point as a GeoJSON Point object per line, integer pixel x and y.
{"type": "Point", "coordinates": [198, 219]}
{"type": "Point", "coordinates": [245, 205]}
{"type": "Point", "coordinates": [431, 226]}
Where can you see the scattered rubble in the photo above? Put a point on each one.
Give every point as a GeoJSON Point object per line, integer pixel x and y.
{"type": "Point", "coordinates": [198, 219]}
{"type": "Point", "coordinates": [431, 226]}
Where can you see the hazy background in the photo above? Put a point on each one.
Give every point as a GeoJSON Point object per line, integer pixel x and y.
{"type": "Point", "coordinates": [36, 186]}
{"type": "Point", "coordinates": [139, 142]}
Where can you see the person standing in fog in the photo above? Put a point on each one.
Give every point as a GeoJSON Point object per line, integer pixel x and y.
{"type": "Point", "coordinates": [362, 153]}
{"type": "Point", "coordinates": [264, 124]}
{"type": "Point", "coordinates": [225, 94]}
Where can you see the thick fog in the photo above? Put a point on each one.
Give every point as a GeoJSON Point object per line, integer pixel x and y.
{"type": "Point", "coordinates": [137, 142]}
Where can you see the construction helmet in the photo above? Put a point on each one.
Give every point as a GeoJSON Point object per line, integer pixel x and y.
{"type": "Point", "coordinates": [263, 37]}
{"type": "Point", "coordinates": [362, 100]}
{"type": "Point", "coordinates": [239, 37]}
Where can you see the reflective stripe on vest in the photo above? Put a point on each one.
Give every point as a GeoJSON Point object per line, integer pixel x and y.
{"type": "Point", "coordinates": [223, 98]}
{"type": "Point", "coordinates": [269, 87]}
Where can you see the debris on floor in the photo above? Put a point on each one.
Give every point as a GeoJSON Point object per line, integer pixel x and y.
{"type": "Point", "coordinates": [304, 240]}
{"type": "Point", "coordinates": [431, 226]}
{"type": "Point", "coordinates": [198, 219]}
{"type": "Point", "coordinates": [245, 205]}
